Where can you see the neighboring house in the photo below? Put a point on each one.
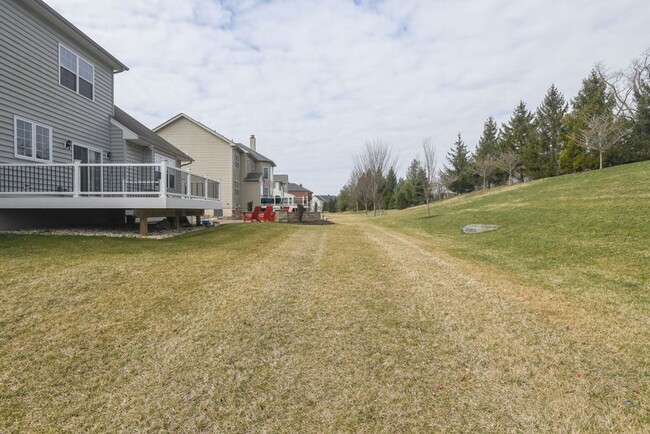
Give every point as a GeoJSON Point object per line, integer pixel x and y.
{"type": "Point", "coordinates": [281, 193]}
{"type": "Point", "coordinates": [245, 174]}
{"type": "Point", "coordinates": [67, 155]}
{"type": "Point", "coordinates": [319, 200]}
{"type": "Point", "coordinates": [302, 195]}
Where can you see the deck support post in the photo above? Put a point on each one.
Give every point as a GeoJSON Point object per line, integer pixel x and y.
{"type": "Point", "coordinates": [144, 228]}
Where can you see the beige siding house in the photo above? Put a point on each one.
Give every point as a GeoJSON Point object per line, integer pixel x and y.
{"type": "Point", "coordinates": [246, 175]}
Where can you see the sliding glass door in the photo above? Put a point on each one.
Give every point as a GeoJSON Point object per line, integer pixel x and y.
{"type": "Point", "coordinates": [91, 177]}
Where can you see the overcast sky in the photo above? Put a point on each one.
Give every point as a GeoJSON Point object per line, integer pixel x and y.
{"type": "Point", "coordinates": [313, 80]}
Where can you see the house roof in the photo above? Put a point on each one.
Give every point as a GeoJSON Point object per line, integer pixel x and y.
{"type": "Point", "coordinates": [297, 187]}
{"type": "Point", "coordinates": [325, 197]}
{"type": "Point", "coordinates": [56, 20]}
{"type": "Point", "coordinates": [145, 135]}
{"type": "Point", "coordinates": [255, 155]}
{"type": "Point", "coordinates": [281, 178]}
{"type": "Point", "coordinates": [253, 176]}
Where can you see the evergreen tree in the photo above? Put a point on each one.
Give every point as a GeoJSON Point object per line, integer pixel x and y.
{"type": "Point", "coordinates": [460, 167]}
{"type": "Point", "coordinates": [417, 177]}
{"type": "Point", "coordinates": [593, 99]}
{"type": "Point", "coordinates": [403, 194]}
{"type": "Point", "coordinates": [488, 144]}
{"type": "Point", "coordinates": [551, 135]}
{"type": "Point", "coordinates": [390, 184]}
{"type": "Point", "coordinates": [488, 147]}
{"type": "Point", "coordinates": [345, 200]}
{"type": "Point", "coordinates": [519, 133]}
{"type": "Point", "coordinates": [637, 145]}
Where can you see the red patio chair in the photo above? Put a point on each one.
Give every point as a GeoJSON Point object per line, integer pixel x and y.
{"type": "Point", "coordinates": [269, 215]}
{"type": "Point", "coordinates": [253, 216]}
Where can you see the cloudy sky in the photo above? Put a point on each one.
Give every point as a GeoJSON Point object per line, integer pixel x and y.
{"type": "Point", "coordinates": [313, 80]}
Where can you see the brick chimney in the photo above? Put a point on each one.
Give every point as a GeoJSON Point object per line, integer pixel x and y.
{"type": "Point", "coordinates": [253, 143]}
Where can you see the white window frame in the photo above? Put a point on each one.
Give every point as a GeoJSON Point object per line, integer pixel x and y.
{"type": "Point", "coordinates": [76, 72]}
{"type": "Point", "coordinates": [236, 188]}
{"type": "Point", "coordinates": [266, 172]}
{"type": "Point", "coordinates": [34, 125]}
{"type": "Point", "coordinates": [237, 161]}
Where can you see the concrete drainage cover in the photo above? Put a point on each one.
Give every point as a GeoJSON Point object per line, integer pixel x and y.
{"type": "Point", "coordinates": [477, 229]}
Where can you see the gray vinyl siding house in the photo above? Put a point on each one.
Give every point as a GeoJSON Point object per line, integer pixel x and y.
{"type": "Point", "coordinates": [64, 146]}
{"type": "Point", "coordinates": [30, 40]}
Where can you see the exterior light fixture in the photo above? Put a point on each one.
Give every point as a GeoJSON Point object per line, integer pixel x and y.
{"type": "Point", "coordinates": [68, 144]}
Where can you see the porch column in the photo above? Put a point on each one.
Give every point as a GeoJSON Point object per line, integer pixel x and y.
{"type": "Point", "coordinates": [163, 178]}
{"type": "Point", "coordinates": [205, 187]}
{"type": "Point", "coordinates": [76, 178]}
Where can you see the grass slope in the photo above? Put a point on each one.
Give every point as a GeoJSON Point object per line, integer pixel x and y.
{"type": "Point", "coordinates": [586, 233]}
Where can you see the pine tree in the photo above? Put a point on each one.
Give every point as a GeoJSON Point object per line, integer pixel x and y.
{"type": "Point", "coordinates": [390, 184]}
{"type": "Point", "coordinates": [418, 179]}
{"type": "Point", "coordinates": [460, 167]}
{"type": "Point", "coordinates": [519, 133]}
{"type": "Point", "coordinates": [593, 99]}
{"type": "Point", "coordinates": [489, 141]}
{"type": "Point", "coordinates": [403, 194]}
{"type": "Point", "coordinates": [551, 135]}
{"type": "Point", "coordinates": [637, 147]}
{"type": "Point", "coordinates": [488, 147]}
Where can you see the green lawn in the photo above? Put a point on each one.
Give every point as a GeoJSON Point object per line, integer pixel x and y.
{"type": "Point", "coordinates": [391, 324]}
{"type": "Point", "coordinates": [585, 233]}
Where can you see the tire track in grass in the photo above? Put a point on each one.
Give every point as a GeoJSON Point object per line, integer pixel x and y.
{"type": "Point", "coordinates": [530, 371]}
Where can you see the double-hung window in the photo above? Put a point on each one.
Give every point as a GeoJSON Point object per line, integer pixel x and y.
{"type": "Point", "coordinates": [237, 161]}
{"type": "Point", "coordinates": [75, 73]}
{"type": "Point", "coordinates": [32, 141]}
{"type": "Point", "coordinates": [236, 186]}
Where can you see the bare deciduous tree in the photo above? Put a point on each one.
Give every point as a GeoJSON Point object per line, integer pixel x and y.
{"type": "Point", "coordinates": [509, 161]}
{"type": "Point", "coordinates": [484, 167]}
{"type": "Point", "coordinates": [625, 84]}
{"type": "Point", "coordinates": [430, 170]}
{"type": "Point", "coordinates": [372, 164]}
{"type": "Point", "coordinates": [602, 132]}
{"type": "Point", "coordinates": [444, 180]}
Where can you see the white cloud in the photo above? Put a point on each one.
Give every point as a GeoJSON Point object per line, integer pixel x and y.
{"type": "Point", "coordinates": [313, 80]}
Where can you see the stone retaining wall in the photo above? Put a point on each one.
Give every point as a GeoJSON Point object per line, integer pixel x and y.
{"type": "Point", "coordinates": [283, 216]}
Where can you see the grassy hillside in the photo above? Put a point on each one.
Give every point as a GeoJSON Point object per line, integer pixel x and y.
{"type": "Point", "coordinates": [582, 233]}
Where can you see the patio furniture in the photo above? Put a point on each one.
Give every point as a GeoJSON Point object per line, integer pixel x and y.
{"type": "Point", "coordinates": [253, 216]}
{"type": "Point", "coordinates": [268, 216]}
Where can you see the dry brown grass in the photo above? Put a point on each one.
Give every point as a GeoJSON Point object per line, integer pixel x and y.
{"type": "Point", "coordinates": [268, 328]}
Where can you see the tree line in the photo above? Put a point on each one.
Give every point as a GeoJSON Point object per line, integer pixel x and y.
{"type": "Point", "coordinates": [607, 123]}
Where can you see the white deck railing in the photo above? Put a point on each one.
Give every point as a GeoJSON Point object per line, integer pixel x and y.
{"type": "Point", "coordinates": [105, 180]}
